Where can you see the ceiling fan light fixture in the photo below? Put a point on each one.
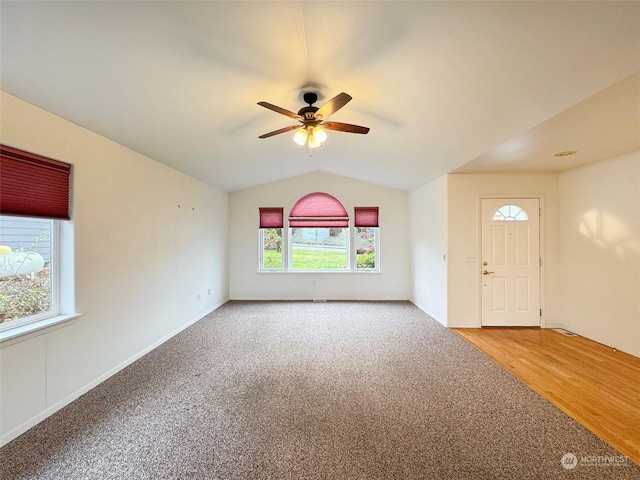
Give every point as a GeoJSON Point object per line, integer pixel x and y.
{"type": "Point", "coordinates": [312, 132]}
{"type": "Point", "coordinates": [300, 137]}
{"type": "Point", "coordinates": [314, 142]}
{"type": "Point", "coordinates": [319, 134]}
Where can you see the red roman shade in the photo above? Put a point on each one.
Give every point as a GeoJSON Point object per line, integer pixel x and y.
{"type": "Point", "coordinates": [366, 216]}
{"type": "Point", "coordinates": [32, 185]}
{"type": "Point", "coordinates": [271, 217]}
{"type": "Point", "coordinates": [318, 210]}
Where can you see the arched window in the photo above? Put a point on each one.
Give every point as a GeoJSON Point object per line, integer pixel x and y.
{"type": "Point", "coordinates": [319, 238]}
{"type": "Point", "coordinates": [510, 213]}
{"type": "Point", "coordinates": [318, 210]}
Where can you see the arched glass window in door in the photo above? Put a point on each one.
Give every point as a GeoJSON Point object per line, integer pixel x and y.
{"type": "Point", "coordinates": [510, 213]}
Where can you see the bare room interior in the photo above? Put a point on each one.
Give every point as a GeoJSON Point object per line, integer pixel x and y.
{"type": "Point", "coordinates": [478, 161]}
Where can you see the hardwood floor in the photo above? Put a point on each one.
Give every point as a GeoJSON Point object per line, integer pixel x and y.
{"type": "Point", "coordinates": [594, 384]}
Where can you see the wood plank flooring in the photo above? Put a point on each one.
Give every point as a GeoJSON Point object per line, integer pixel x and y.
{"type": "Point", "coordinates": [592, 383]}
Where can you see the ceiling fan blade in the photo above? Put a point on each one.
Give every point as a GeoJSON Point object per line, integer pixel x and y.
{"type": "Point", "coordinates": [344, 127]}
{"type": "Point", "coordinates": [282, 130]}
{"type": "Point", "coordinates": [281, 110]}
{"type": "Point", "coordinates": [333, 105]}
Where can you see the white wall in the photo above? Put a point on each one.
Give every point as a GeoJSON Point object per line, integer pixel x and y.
{"type": "Point", "coordinates": [428, 220]}
{"type": "Point", "coordinates": [140, 262]}
{"type": "Point", "coordinates": [600, 251]}
{"type": "Point", "coordinates": [464, 192]}
{"type": "Point", "coordinates": [247, 283]}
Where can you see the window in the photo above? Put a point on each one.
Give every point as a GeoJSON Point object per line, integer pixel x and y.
{"type": "Point", "coordinates": [318, 234]}
{"type": "Point", "coordinates": [34, 199]}
{"type": "Point", "coordinates": [318, 238]}
{"type": "Point", "coordinates": [510, 213]}
{"type": "Point", "coordinates": [28, 249]}
{"type": "Point", "coordinates": [271, 223]}
{"type": "Point", "coordinates": [271, 249]}
{"type": "Point", "coordinates": [319, 248]}
{"type": "Point", "coordinates": [366, 238]}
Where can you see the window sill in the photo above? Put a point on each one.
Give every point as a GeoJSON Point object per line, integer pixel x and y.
{"type": "Point", "coordinates": [31, 330]}
{"type": "Point", "coordinates": [340, 272]}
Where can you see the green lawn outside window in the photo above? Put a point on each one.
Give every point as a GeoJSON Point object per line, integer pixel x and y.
{"type": "Point", "coordinates": [307, 260]}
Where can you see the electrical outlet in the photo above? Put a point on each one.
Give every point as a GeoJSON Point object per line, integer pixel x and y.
{"type": "Point", "coordinates": [198, 296]}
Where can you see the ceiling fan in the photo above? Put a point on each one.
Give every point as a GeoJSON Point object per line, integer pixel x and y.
{"type": "Point", "coordinates": [312, 120]}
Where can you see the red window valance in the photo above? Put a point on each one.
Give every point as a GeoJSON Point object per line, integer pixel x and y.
{"type": "Point", "coordinates": [318, 210]}
{"type": "Point", "coordinates": [32, 185]}
{"type": "Point", "coordinates": [366, 216]}
{"type": "Point", "coordinates": [271, 217]}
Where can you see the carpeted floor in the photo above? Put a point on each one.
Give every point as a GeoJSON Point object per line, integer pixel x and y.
{"type": "Point", "coordinates": [302, 390]}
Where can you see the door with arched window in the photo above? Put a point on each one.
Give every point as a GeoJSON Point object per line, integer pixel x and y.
{"type": "Point", "coordinates": [510, 269]}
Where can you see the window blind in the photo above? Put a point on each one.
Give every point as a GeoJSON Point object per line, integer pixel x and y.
{"type": "Point", "coordinates": [32, 185]}
{"type": "Point", "coordinates": [366, 216]}
{"type": "Point", "coordinates": [271, 217]}
{"type": "Point", "coordinates": [318, 210]}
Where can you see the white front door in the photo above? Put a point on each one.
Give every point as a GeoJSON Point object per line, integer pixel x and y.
{"type": "Point", "coordinates": [510, 269]}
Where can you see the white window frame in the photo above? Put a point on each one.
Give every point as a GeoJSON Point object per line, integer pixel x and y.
{"type": "Point", "coordinates": [376, 246]}
{"type": "Point", "coordinates": [351, 254]}
{"type": "Point", "coordinates": [289, 267]}
{"type": "Point", "coordinates": [19, 330]}
{"type": "Point", "coordinates": [261, 252]}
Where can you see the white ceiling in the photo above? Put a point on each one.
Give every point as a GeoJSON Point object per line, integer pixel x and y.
{"type": "Point", "coordinates": [444, 86]}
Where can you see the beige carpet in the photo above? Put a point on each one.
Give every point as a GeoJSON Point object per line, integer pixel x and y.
{"type": "Point", "coordinates": [302, 390]}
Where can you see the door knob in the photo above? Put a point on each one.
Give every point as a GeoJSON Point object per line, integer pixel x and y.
{"type": "Point", "coordinates": [486, 272]}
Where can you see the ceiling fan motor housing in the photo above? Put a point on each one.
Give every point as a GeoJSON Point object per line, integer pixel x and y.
{"type": "Point", "coordinates": [310, 97]}
{"type": "Point", "coordinates": [308, 113]}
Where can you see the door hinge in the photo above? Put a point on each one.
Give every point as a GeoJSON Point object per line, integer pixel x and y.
{"type": "Point", "coordinates": [540, 312]}
{"type": "Point", "coordinates": [540, 262]}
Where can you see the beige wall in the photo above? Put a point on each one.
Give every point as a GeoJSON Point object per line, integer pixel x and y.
{"type": "Point", "coordinates": [428, 216]}
{"type": "Point", "coordinates": [140, 262]}
{"type": "Point", "coordinates": [464, 193]}
{"type": "Point", "coordinates": [600, 251]}
{"type": "Point", "coordinates": [392, 283]}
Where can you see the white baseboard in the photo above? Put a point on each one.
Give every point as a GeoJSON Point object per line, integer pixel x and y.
{"type": "Point", "coordinates": [431, 314]}
{"type": "Point", "coordinates": [556, 325]}
{"type": "Point", "coordinates": [33, 421]}
{"type": "Point", "coordinates": [350, 298]}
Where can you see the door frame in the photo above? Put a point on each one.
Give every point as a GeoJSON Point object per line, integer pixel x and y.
{"type": "Point", "coordinates": [541, 232]}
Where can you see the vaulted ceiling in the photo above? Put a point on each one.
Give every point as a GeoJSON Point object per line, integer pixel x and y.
{"type": "Point", "coordinates": [444, 86]}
